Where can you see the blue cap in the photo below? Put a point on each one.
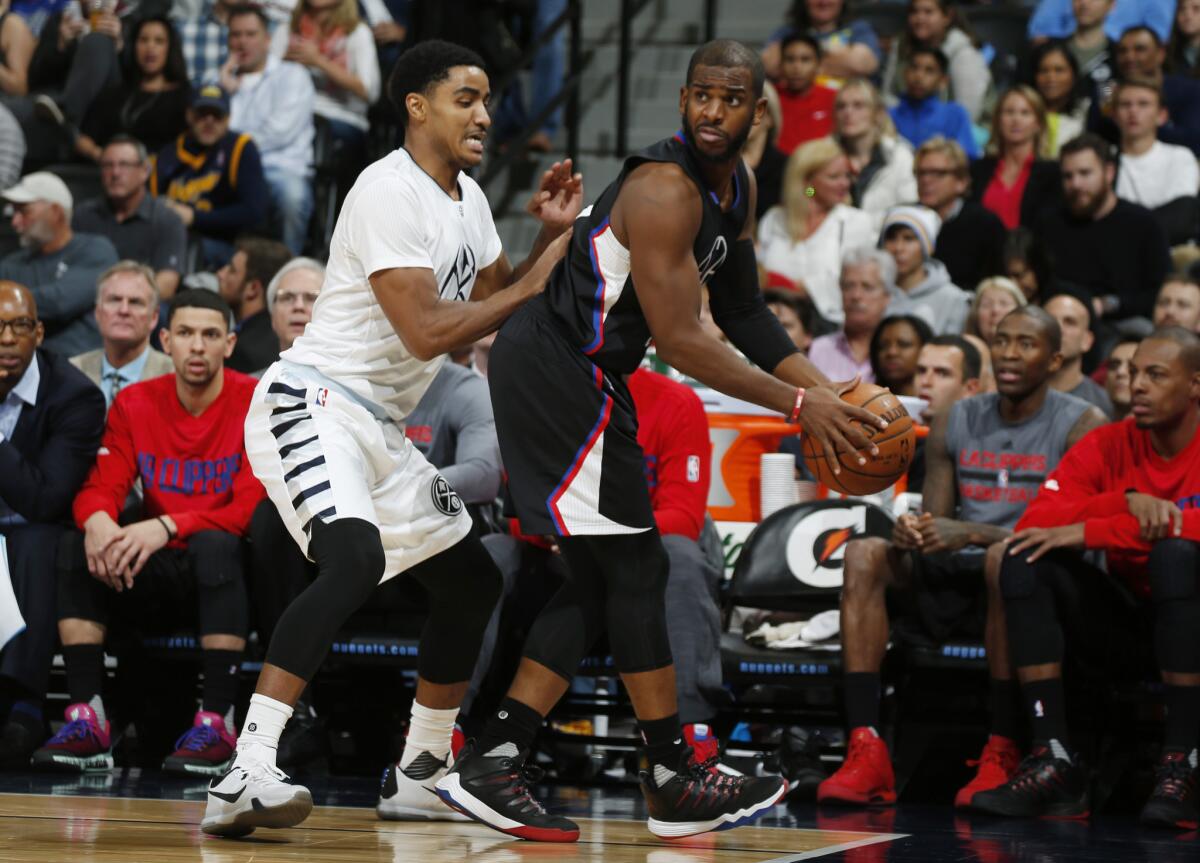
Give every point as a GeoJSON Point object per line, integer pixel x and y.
{"type": "Point", "coordinates": [211, 96]}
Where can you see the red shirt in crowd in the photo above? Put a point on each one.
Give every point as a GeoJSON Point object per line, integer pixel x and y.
{"type": "Point", "coordinates": [806, 116]}
{"type": "Point", "coordinates": [1005, 201]}
{"type": "Point", "coordinates": [673, 435]}
{"type": "Point", "coordinates": [1089, 486]}
{"type": "Point", "coordinates": [193, 469]}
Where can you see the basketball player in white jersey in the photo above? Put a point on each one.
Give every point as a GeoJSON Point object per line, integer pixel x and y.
{"type": "Point", "coordinates": [415, 270]}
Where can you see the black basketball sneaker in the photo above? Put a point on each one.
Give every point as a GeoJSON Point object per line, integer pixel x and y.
{"type": "Point", "coordinates": [1173, 802]}
{"type": "Point", "coordinates": [1042, 787]}
{"type": "Point", "coordinates": [492, 788]}
{"type": "Point", "coordinates": [693, 799]}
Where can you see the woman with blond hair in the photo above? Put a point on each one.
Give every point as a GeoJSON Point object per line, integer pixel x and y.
{"type": "Point", "coordinates": [801, 241]}
{"type": "Point", "coordinates": [1015, 180]}
{"type": "Point", "coordinates": [881, 163]}
{"type": "Point", "coordinates": [330, 39]}
{"type": "Point", "coordinates": [994, 298]}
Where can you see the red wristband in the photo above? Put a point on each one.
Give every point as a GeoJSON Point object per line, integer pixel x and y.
{"type": "Point", "coordinates": [795, 417]}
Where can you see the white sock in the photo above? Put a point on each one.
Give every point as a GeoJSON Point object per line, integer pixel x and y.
{"type": "Point", "coordinates": [1059, 751]}
{"type": "Point", "coordinates": [97, 705]}
{"type": "Point", "coordinates": [264, 723]}
{"type": "Point", "coordinates": [428, 731]}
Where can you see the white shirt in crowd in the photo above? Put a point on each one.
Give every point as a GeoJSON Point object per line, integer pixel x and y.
{"type": "Point", "coordinates": [275, 106]}
{"type": "Point", "coordinates": [1161, 174]}
{"type": "Point", "coordinates": [817, 261]}
{"type": "Point", "coordinates": [357, 52]}
{"type": "Point", "coordinates": [394, 216]}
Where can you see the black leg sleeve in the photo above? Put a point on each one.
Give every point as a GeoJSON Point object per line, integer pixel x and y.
{"type": "Point", "coordinates": [464, 586]}
{"type": "Point", "coordinates": [350, 562]}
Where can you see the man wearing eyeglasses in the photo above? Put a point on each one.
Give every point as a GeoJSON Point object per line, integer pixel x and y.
{"type": "Point", "coordinates": [972, 236]}
{"type": "Point", "coordinates": [59, 266]}
{"type": "Point", "coordinates": [51, 418]}
{"type": "Point", "coordinates": [141, 227]}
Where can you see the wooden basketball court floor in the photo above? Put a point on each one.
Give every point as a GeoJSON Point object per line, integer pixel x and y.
{"type": "Point", "coordinates": [37, 828]}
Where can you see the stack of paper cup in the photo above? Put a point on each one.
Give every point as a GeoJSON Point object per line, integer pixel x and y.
{"type": "Point", "coordinates": [777, 488]}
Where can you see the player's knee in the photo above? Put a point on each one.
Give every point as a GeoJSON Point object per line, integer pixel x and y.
{"type": "Point", "coordinates": [1018, 577]}
{"type": "Point", "coordinates": [1173, 569]}
{"type": "Point", "coordinates": [864, 570]}
{"type": "Point", "coordinates": [351, 550]}
{"type": "Point", "coordinates": [216, 557]}
{"type": "Point", "coordinates": [646, 579]}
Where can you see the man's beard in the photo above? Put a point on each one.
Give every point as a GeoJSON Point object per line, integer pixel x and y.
{"type": "Point", "coordinates": [1084, 207]}
{"type": "Point", "coordinates": [36, 237]}
{"type": "Point", "coordinates": [731, 150]}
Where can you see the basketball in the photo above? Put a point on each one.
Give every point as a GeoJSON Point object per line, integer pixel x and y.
{"type": "Point", "coordinates": [896, 445]}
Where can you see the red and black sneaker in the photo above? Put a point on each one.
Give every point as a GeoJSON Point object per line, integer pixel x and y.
{"type": "Point", "coordinates": [1173, 802]}
{"type": "Point", "coordinates": [205, 749]}
{"type": "Point", "coordinates": [696, 799]}
{"type": "Point", "coordinates": [1043, 787]}
{"type": "Point", "coordinates": [997, 764]}
{"type": "Point", "coordinates": [84, 744]}
{"type": "Point", "coordinates": [706, 748]}
{"type": "Point", "coordinates": [492, 788]}
{"type": "Point", "coordinates": [865, 777]}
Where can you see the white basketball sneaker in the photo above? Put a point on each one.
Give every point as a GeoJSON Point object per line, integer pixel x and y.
{"type": "Point", "coordinates": [408, 794]}
{"type": "Point", "coordinates": [253, 794]}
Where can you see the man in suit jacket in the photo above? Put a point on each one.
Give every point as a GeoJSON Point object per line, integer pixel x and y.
{"type": "Point", "coordinates": [127, 313]}
{"type": "Point", "coordinates": [51, 419]}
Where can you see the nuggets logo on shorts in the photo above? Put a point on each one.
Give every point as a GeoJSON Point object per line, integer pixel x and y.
{"type": "Point", "coordinates": [321, 397]}
{"type": "Point", "coordinates": [445, 498]}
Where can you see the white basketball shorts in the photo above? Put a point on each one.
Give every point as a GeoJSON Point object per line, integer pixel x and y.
{"type": "Point", "coordinates": [323, 454]}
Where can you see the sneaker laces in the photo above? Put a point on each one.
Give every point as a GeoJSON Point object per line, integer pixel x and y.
{"type": "Point", "coordinates": [521, 777]}
{"type": "Point", "coordinates": [991, 756]}
{"type": "Point", "coordinates": [1173, 779]}
{"type": "Point", "coordinates": [856, 756]}
{"type": "Point", "coordinates": [1028, 769]}
{"type": "Point", "coordinates": [198, 738]}
{"type": "Point", "coordinates": [76, 729]}
{"type": "Point", "coordinates": [263, 771]}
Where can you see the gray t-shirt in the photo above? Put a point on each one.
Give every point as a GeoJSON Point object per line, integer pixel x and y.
{"type": "Point", "coordinates": [154, 235]}
{"type": "Point", "coordinates": [455, 430]}
{"type": "Point", "coordinates": [64, 285]}
{"type": "Point", "coordinates": [1094, 394]}
{"type": "Point", "coordinates": [1000, 466]}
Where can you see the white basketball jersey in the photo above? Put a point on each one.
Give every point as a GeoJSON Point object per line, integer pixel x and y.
{"type": "Point", "coordinates": [394, 216]}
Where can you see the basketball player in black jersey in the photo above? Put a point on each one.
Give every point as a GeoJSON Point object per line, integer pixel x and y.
{"type": "Point", "coordinates": [678, 216]}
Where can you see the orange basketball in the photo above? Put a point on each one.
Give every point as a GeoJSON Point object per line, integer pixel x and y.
{"type": "Point", "coordinates": [896, 445]}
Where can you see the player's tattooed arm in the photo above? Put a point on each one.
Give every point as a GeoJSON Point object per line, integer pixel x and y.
{"type": "Point", "coordinates": [430, 326]}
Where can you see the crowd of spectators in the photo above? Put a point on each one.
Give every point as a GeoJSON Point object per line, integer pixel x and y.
{"type": "Point", "coordinates": [1007, 248]}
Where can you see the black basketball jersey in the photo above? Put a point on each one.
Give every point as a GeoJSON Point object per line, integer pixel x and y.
{"type": "Point", "coordinates": [591, 292]}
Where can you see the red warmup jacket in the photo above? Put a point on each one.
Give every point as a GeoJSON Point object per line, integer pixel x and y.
{"type": "Point", "coordinates": [673, 434]}
{"type": "Point", "coordinates": [1089, 486]}
{"type": "Point", "coordinates": [193, 469]}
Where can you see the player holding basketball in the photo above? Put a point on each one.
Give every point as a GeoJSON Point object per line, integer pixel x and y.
{"type": "Point", "coordinates": [414, 242]}
{"type": "Point", "coordinates": [678, 216]}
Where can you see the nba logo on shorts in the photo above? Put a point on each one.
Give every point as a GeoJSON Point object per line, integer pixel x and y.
{"type": "Point", "coordinates": [693, 468]}
{"type": "Point", "coordinates": [321, 397]}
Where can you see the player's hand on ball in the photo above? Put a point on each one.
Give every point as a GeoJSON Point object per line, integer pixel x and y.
{"type": "Point", "coordinates": [559, 198]}
{"type": "Point", "coordinates": [828, 420]}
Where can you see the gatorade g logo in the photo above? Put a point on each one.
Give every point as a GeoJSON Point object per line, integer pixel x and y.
{"type": "Point", "coordinates": [816, 548]}
{"type": "Point", "coordinates": [829, 548]}
{"type": "Point", "coordinates": [445, 499]}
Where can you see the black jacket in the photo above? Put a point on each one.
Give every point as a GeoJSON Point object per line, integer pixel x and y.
{"type": "Point", "coordinates": [1042, 192]}
{"type": "Point", "coordinates": [257, 345]}
{"type": "Point", "coordinates": [971, 245]}
{"type": "Point", "coordinates": [53, 444]}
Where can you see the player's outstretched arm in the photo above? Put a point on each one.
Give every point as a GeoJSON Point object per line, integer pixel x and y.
{"type": "Point", "coordinates": [667, 282]}
{"type": "Point", "coordinates": [430, 326]}
{"type": "Point", "coordinates": [556, 204]}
